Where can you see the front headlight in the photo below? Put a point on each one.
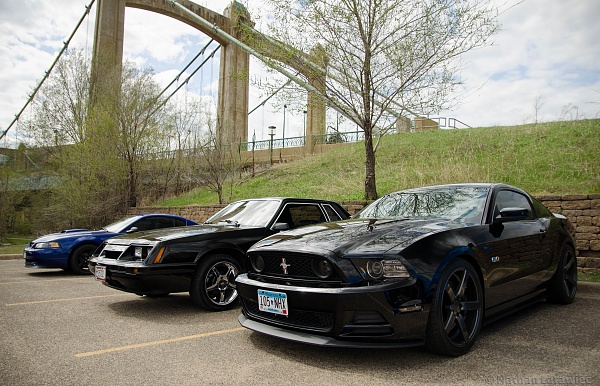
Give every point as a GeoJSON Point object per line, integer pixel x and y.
{"type": "Point", "coordinates": [46, 245]}
{"type": "Point", "coordinates": [381, 268]}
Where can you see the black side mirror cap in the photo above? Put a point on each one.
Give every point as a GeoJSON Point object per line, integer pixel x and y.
{"type": "Point", "coordinates": [280, 226]}
{"type": "Point", "coordinates": [512, 214]}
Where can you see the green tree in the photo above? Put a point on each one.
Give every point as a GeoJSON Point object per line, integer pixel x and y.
{"type": "Point", "coordinates": [384, 57]}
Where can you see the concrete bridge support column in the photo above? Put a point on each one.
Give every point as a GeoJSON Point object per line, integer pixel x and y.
{"type": "Point", "coordinates": [234, 81]}
{"type": "Point", "coordinates": [316, 107]}
{"type": "Point", "coordinates": [108, 47]}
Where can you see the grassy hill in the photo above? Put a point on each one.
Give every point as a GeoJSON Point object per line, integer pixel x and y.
{"type": "Point", "coordinates": [543, 158]}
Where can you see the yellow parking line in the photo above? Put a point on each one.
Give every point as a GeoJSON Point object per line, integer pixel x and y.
{"type": "Point", "coordinates": [132, 346]}
{"type": "Point", "coordinates": [42, 280]}
{"type": "Point", "coordinates": [63, 300]}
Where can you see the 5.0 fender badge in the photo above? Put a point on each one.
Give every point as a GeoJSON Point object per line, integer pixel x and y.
{"type": "Point", "coordinates": [495, 259]}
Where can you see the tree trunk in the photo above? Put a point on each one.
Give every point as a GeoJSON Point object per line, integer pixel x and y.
{"type": "Point", "coordinates": [370, 185]}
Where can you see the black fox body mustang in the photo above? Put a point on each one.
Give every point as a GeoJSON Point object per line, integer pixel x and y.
{"type": "Point", "coordinates": [203, 259]}
{"type": "Point", "coordinates": [420, 266]}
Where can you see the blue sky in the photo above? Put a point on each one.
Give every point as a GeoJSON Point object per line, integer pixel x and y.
{"type": "Point", "coordinates": [545, 62]}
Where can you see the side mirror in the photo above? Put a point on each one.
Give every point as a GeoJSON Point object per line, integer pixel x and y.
{"type": "Point", "coordinates": [512, 214]}
{"type": "Point", "coordinates": [280, 226]}
{"type": "Point", "coordinates": [132, 229]}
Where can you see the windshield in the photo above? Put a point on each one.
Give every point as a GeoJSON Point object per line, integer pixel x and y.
{"type": "Point", "coordinates": [459, 203]}
{"type": "Point", "coordinates": [252, 213]}
{"type": "Point", "coordinates": [121, 225]}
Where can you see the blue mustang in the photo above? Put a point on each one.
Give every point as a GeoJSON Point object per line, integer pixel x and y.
{"type": "Point", "coordinates": [71, 249]}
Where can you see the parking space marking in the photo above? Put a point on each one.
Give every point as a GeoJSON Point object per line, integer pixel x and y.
{"type": "Point", "coordinates": [63, 300]}
{"type": "Point", "coordinates": [41, 280]}
{"type": "Point", "coordinates": [155, 343]}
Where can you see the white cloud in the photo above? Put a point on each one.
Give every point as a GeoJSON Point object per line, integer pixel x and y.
{"type": "Point", "coordinates": [547, 49]}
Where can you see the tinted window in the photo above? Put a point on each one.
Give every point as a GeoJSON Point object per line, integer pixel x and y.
{"type": "Point", "coordinates": [463, 204]}
{"type": "Point", "coordinates": [144, 224]}
{"type": "Point", "coordinates": [540, 209]}
{"type": "Point", "coordinates": [297, 215]}
{"type": "Point", "coordinates": [509, 199]}
{"type": "Point", "coordinates": [333, 215]}
{"type": "Point", "coordinates": [179, 223]}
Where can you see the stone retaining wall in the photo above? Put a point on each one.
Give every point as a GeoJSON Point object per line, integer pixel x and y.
{"type": "Point", "coordinates": [583, 211]}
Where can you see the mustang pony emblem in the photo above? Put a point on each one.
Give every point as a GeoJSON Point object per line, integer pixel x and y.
{"type": "Point", "coordinates": [284, 265]}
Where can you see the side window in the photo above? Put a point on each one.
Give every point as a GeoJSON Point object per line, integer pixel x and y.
{"type": "Point", "coordinates": [333, 215]}
{"type": "Point", "coordinates": [297, 215]}
{"type": "Point", "coordinates": [144, 224]}
{"type": "Point", "coordinates": [510, 199]}
{"type": "Point", "coordinates": [540, 209]}
{"type": "Point", "coordinates": [163, 222]}
{"type": "Point", "coordinates": [178, 223]}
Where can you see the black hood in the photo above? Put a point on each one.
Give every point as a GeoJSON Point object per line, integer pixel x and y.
{"type": "Point", "coordinates": [355, 237]}
{"type": "Point", "coordinates": [176, 233]}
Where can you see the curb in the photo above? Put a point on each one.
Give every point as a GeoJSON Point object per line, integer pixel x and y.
{"type": "Point", "coordinates": [11, 257]}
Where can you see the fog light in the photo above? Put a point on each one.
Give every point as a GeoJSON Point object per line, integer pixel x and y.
{"type": "Point", "coordinates": [322, 268]}
{"type": "Point", "coordinates": [258, 263]}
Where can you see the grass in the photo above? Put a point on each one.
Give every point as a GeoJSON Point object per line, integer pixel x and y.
{"type": "Point", "coordinates": [589, 276]}
{"type": "Point", "coordinates": [545, 158]}
{"type": "Point", "coordinates": [13, 245]}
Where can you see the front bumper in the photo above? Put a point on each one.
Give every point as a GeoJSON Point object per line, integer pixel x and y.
{"type": "Point", "coordinates": [367, 316]}
{"type": "Point", "coordinates": [142, 279]}
{"type": "Point", "coordinates": [46, 258]}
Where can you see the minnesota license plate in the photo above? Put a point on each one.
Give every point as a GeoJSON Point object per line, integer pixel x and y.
{"type": "Point", "coordinates": [100, 272]}
{"type": "Point", "coordinates": [273, 302]}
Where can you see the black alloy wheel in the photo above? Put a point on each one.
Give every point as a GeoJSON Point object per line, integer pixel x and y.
{"type": "Point", "coordinates": [213, 284]}
{"type": "Point", "coordinates": [563, 286]}
{"type": "Point", "coordinates": [456, 312]}
{"type": "Point", "coordinates": [78, 261]}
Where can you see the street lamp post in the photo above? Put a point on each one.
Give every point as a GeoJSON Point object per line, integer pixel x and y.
{"type": "Point", "coordinates": [304, 127]}
{"type": "Point", "coordinates": [271, 134]}
{"type": "Point", "coordinates": [284, 108]}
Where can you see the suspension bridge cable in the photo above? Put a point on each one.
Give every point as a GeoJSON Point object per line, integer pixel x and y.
{"type": "Point", "coordinates": [185, 81]}
{"type": "Point", "coordinates": [47, 73]}
{"type": "Point", "coordinates": [185, 68]}
{"type": "Point", "coordinates": [271, 96]}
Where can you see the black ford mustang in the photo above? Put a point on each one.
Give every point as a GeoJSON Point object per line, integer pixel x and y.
{"type": "Point", "coordinates": [423, 266]}
{"type": "Point", "coordinates": [203, 259]}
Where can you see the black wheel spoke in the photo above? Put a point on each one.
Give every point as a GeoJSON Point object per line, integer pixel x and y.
{"type": "Point", "coordinates": [450, 293]}
{"type": "Point", "coordinates": [463, 284]}
{"type": "Point", "coordinates": [569, 263]}
{"type": "Point", "coordinates": [471, 305]}
{"type": "Point", "coordinates": [463, 328]}
{"type": "Point", "coordinates": [450, 324]}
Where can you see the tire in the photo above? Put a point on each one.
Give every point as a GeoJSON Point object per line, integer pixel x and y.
{"type": "Point", "coordinates": [213, 284]}
{"type": "Point", "coordinates": [456, 312]}
{"type": "Point", "coordinates": [78, 261]}
{"type": "Point", "coordinates": [563, 285]}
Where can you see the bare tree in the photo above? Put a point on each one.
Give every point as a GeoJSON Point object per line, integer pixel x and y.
{"type": "Point", "coordinates": [385, 56]}
{"type": "Point", "coordinates": [219, 159]}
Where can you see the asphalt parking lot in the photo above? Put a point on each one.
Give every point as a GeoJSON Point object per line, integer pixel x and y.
{"type": "Point", "coordinates": [58, 329]}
